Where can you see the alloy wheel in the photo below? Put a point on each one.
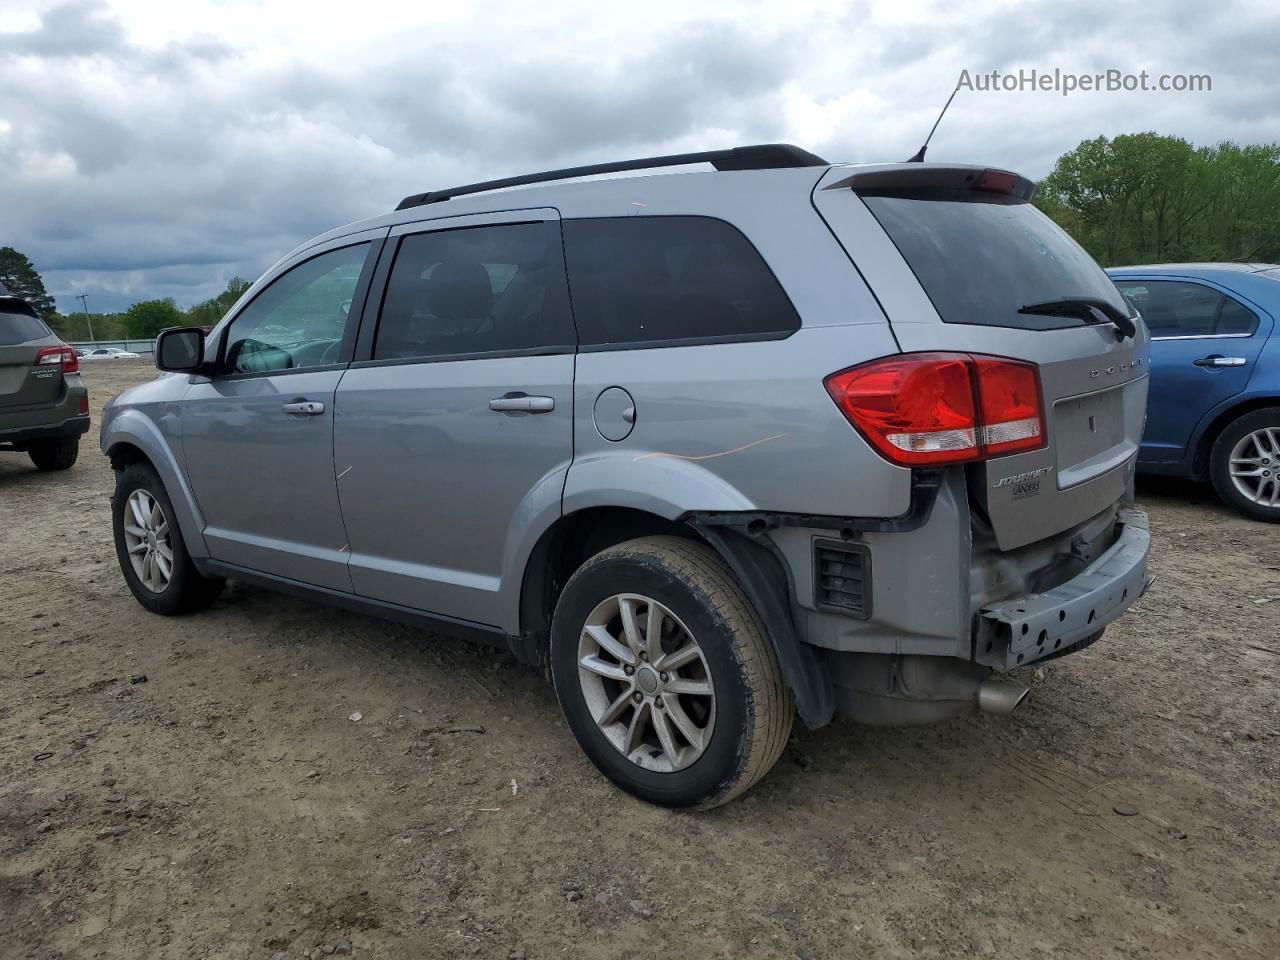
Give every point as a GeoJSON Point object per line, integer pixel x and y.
{"type": "Point", "coordinates": [646, 683]}
{"type": "Point", "coordinates": [146, 538]}
{"type": "Point", "coordinates": [1255, 466]}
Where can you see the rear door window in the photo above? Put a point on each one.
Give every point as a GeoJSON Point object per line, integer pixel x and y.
{"type": "Point", "coordinates": [476, 291]}
{"type": "Point", "coordinates": [1180, 308]}
{"type": "Point", "coordinates": [668, 280]}
{"type": "Point", "coordinates": [981, 257]}
{"type": "Point", "coordinates": [20, 328]}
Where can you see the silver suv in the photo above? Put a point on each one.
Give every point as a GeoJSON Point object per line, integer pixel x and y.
{"type": "Point", "coordinates": [713, 448]}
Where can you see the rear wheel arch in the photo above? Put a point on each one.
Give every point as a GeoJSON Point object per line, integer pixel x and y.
{"type": "Point", "coordinates": [762, 575]}
{"type": "Point", "coordinates": [1224, 419]}
{"type": "Point", "coordinates": [561, 549]}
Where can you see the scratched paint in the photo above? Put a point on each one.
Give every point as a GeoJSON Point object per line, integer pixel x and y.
{"type": "Point", "coordinates": [709, 456]}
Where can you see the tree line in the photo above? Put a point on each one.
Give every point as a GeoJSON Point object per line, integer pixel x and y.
{"type": "Point", "coordinates": [1146, 198]}
{"type": "Point", "coordinates": [1137, 198]}
{"type": "Point", "coordinates": [142, 321]}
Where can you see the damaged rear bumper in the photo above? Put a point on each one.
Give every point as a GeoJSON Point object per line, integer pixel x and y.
{"type": "Point", "coordinates": [1041, 625]}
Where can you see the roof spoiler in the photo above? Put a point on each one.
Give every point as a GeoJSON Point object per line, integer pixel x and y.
{"type": "Point", "coordinates": [926, 176]}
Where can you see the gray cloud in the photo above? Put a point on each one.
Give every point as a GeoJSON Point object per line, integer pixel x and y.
{"type": "Point", "coordinates": [135, 170]}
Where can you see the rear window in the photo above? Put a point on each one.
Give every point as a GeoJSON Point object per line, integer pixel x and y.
{"type": "Point", "coordinates": [667, 280]}
{"type": "Point", "coordinates": [980, 258]}
{"type": "Point", "coordinates": [19, 328]}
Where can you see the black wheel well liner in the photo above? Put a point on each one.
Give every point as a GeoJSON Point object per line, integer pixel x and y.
{"type": "Point", "coordinates": [123, 453]}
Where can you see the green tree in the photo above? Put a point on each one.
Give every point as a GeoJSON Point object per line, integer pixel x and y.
{"type": "Point", "coordinates": [20, 276]}
{"type": "Point", "coordinates": [144, 320]}
{"type": "Point", "coordinates": [211, 311]}
{"type": "Point", "coordinates": [1143, 198]}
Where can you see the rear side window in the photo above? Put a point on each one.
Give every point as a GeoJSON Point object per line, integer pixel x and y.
{"type": "Point", "coordinates": [658, 280]}
{"type": "Point", "coordinates": [980, 258]}
{"type": "Point", "coordinates": [19, 328]}
{"type": "Point", "coordinates": [1178, 308]}
{"type": "Point", "coordinates": [476, 290]}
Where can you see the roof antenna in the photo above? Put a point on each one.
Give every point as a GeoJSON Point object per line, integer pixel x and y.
{"type": "Point", "coordinates": [919, 157]}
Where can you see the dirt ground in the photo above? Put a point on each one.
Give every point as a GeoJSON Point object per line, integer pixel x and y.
{"type": "Point", "coordinates": [228, 806]}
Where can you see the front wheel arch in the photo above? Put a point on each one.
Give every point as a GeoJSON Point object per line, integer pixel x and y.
{"type": "Point", "coordinates": [123, 453]}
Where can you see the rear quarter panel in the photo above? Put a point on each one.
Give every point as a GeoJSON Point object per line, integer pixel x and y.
{"type": "Point", "coordinates": [749, 425]}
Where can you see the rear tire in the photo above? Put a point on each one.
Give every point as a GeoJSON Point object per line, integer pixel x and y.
{"type": "Point", "coordinates": [150, 548]}
{"type": "Point", "coordinates": [57, 454]}
{"type": "Point", "coordinates": [698, 717]}
{"type": "Point", "coordinates": [1245, 465]}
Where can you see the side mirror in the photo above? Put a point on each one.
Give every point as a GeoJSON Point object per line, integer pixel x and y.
{"type": "Point", "coordinates": [180, 350]}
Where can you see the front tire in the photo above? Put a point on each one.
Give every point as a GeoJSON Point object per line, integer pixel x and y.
{"type": "Point", "coordinates": [666, 675]}
{"type": "Point", "coordinates": [150, 548]}
{"type": "Point", "coordinates": [57, 454]}
{"type": "Point", "coordinates": [1245, 465]}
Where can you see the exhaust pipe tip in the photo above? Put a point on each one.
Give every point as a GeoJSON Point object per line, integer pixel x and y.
{"type": "Point", "coordinates": [1000, 697]}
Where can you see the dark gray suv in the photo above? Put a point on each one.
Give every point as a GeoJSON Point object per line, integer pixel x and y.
{"type": "Point", "coordinates": [714, 448]}
{"type": "Point", "coordinates": [44, 405]}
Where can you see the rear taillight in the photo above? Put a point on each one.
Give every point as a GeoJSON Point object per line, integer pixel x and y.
{"type": "Point", "coordinates": [922, 409]}
{"type": "Point", "coordinates": [1009, 408]}
{"type": "Point", "coordinates": [62, 355]}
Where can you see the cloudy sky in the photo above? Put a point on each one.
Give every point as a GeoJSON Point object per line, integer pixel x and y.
{"type": "Point", "coordinates": [153, 148]}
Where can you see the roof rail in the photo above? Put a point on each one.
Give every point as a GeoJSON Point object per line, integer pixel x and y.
{"type": "Point", "coordinates": [763, 156]}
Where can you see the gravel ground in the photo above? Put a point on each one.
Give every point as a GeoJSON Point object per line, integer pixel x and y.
{"type": "Point", "coordinates": [230, 806]}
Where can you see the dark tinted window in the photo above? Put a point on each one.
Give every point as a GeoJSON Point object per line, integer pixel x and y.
{"type": "Point", "coordinates": [19, 328]}
{"type": "Point", "coordinates": [299, 320]}
{"type": "Point", "coordinates": [474, 291]}
{"type": "Point", "coordinates": [639, 279]}
{"type": "Point", "coordinates": [1177, 308]}
{"type": "Point", "coordinates": [1235, 317]}
{"type": "Point", "coordinates": [980, 259]}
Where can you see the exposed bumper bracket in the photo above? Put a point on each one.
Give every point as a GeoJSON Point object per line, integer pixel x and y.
{"type": "Point", "coordinates": [1042, 625]}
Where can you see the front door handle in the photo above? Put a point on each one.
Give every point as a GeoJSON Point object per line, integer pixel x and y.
{"type": "Point", "coordinates": [304, 408]}
{"type": "Point", "coordinates": [522, 404]}
{"type": "Point", "coordinates": [1217, 360]}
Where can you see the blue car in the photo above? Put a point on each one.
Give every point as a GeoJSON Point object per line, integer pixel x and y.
{"type": "Point", "coordinates": [1214, 405]}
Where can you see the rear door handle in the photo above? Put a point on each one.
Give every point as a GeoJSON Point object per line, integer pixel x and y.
{"type": "Point", "coordinates": [523, 404]}
{"type": "Point", "coordinates": [304, 408]}
{"type": "Point", "coordinates": [1217, 360]}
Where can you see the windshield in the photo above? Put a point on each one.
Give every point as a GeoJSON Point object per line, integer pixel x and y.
{"type": "Point", "coordinates": [981, 257]}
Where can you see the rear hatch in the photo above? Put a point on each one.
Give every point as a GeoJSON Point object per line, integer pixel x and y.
{"type": "Point", "coordinates": [962, 262]}
{"type": "Point", "coordinates": [23, 381]}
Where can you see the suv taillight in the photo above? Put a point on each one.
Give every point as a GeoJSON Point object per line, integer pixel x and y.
{"type": "Point", "coordinates": [926, 409]}
{"type": "Point", "coordinates": [62, 355]}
